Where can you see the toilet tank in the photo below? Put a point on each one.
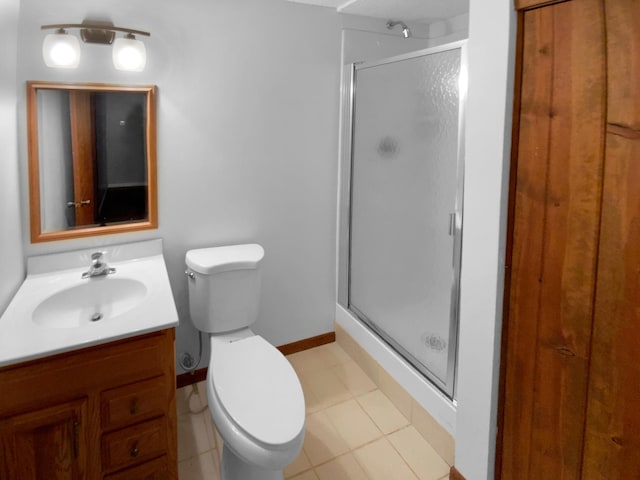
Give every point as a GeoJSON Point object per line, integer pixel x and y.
{"type": "Point", "coordinates": [224, 290]}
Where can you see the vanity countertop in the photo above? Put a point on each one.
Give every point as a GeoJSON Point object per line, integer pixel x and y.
{"type": "Point", "coordinates": [55, 310]}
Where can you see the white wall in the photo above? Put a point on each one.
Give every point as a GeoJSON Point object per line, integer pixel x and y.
{"type": "Point", "coordinates": [247, 139]}
{"type": "Point", "coordinates": [11, 261]}
{"type": "Point", "coordinates": [54, 147]}
{"type": "Point", "coordinates": [488, 135]}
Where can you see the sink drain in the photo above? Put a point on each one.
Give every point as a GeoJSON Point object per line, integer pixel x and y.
{"type": "Point", "coordinates": [96, 316]}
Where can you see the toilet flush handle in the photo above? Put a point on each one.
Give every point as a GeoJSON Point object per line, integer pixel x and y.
{"type": "Point", "coordinates": [189, 274]}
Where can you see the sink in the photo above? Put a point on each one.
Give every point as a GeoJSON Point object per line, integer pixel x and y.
{"type": "Point", "coordinates": [56, 310]}
{"type": "Point", "coordinates": [97, 300]}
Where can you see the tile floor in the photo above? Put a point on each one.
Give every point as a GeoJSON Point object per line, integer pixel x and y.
{"type": "Point", "coordinates": [353, 431]}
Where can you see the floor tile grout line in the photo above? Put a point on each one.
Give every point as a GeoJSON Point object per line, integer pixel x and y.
{"type": "Point", "coordinates": [196, 455]}
{"type": "Point", "coordinates": [312, 351]}
{"type": "Point", "coordinates": [373, 420]}
{"type": "Point", "coordinates": [184, 460]}
{"type": "Point", "coordinates": [351, 396]}
{"type": "Point", "coordinates": [407, 462]}
{"type": "Point", "coordinates": [352, 451]}
{"type": "Point", "coordinates": [382, 434]}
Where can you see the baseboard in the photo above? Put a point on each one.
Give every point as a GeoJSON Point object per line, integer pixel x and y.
{"type": "Point", "coordinates": [188, 378]}
{"type": "Point", "coordinates": [454, 474]}
{"type": "Point", "coordinates": [307, 343]}
{"type": "Point", "coordinates": [199, 375]}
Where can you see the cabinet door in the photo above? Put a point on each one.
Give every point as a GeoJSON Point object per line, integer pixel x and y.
{"type": "Point", "coordinates": [47, 444]}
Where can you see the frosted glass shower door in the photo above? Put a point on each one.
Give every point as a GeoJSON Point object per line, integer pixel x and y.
{"type": "Point", "coordinates": [404, 207]}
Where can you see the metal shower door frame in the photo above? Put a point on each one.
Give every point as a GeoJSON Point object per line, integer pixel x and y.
{"type": "Point", "coordinates": [345, 211]}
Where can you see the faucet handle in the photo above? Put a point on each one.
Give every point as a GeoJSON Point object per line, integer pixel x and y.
{"type": "Point", "coordinates": [96, 257]}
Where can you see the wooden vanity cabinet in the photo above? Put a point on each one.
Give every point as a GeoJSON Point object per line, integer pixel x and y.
{"type": "Point", "coordinates": [103, 412]}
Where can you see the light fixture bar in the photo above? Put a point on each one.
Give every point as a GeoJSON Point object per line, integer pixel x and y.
{"type": "Point", "coordinates": [61, 50]}
{"type": "Point", "coordinates": [95, 26]}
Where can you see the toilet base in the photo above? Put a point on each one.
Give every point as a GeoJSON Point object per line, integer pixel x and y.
{"type": "Point", "coordinates": [234, 468]}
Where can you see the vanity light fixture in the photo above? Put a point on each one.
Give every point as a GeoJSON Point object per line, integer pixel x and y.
{"type": "Point", "coordinates": [62, 50]}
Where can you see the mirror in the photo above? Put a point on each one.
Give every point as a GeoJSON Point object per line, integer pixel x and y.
{"type": "Point", "coordinates": [92, 159]}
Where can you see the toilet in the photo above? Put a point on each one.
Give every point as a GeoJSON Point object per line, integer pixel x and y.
{"type": "Point", "coordinates": [254, 395]}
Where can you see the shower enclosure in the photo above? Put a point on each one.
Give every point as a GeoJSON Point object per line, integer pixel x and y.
{"type": "Point", "coordinates": [401, 222]}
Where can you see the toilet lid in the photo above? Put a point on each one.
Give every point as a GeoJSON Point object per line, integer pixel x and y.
{"type": "Point", "coordinates": [259, 390]}
{"type": "Point", "coordinates": [212, 260]}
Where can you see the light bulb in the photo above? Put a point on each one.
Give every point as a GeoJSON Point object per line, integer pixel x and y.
{"type": "Point", "coordinates": [61, 50]}
{"type": "Point", "coordinates": [129, 54]}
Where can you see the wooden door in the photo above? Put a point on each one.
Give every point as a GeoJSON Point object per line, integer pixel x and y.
{"type": "Point", "coordinates": [570, 398]}
{"type": "Point", "coordinates": [84, 156]}
{"type": "Point", "coordinates": [46, 444]}
{"type": "Point", "coordinates": [612, 436]}
{"type": "Point", "coordinates": [555, 238]}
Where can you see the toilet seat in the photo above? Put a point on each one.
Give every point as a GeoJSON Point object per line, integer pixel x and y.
{"type": "Point", "coordinates": [259, 390]}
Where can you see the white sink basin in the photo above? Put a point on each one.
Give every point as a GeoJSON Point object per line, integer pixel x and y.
{"type": "Point", "coordinates": [56, 310]}
{"type": "Point", "coordinates": [98, 299]}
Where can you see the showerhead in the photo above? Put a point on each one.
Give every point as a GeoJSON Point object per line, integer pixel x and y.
{"type": "Point", "coordinates": [405, 30]}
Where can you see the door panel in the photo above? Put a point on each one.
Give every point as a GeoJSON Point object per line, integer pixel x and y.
{"type": "Point", "coordinates": [612, 438]}
{"type": "Point", "coordinates": [555, 240]}
{"type": "Point", "coordinates": [404, 192]}
{"type": "Point", "coordinates": [84, 156]}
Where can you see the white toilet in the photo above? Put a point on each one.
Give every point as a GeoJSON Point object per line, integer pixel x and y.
{"type": "Point", "coordinates": [255, 397]}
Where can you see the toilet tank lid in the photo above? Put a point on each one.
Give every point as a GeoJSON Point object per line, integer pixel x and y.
{"type": "Point", "coordinates": [208, 261]}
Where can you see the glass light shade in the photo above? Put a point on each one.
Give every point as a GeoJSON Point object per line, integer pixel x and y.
{"type": "Point", "coordinates": [129, 54]}
{"type": "Point", "coordinates": [61, 50]}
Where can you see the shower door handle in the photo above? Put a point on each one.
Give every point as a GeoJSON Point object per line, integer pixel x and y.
{"type": "Point", "coordinates": [454, 232]}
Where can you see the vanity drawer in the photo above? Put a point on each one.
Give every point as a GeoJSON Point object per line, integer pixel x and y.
{"type": "Point", "coordinates": [74, 373]}
{"type": "Point", "coordinates": [134, 402]}
{"type": "Point", "coordinates": [154, 470]}
{"type": "Point", "coordinates": [134, 444]}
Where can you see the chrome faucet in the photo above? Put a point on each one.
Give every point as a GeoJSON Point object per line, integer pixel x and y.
{"type": "Point", "coordinates": [98, 267]}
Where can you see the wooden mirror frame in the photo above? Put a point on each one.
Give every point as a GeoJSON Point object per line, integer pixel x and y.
{"type": "Point", "coordinates": [151, 222]}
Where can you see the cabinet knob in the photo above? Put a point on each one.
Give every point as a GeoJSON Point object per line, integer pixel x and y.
{"type": "Point", "coordinates": [134, 451]}
{"type": "Point", "coordinates": [134, 407]}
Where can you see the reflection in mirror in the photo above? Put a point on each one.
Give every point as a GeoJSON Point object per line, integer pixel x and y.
{"type": "Point", "coordinates": [92, 159]}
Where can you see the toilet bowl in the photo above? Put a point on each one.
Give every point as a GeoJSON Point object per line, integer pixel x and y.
{"type": "Point", "coordinates": [256, 402]}
{"type": "Point", "coordinates": [254, 395]}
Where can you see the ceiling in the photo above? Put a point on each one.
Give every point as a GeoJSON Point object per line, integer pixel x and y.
{"type": "Point", "coordinates": [424, 11]}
